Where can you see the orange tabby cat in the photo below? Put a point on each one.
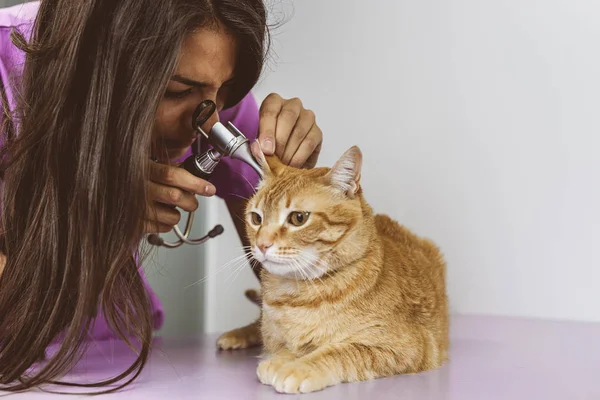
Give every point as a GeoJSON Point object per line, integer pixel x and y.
{"type": "Point", "coordinates": [346, 295]}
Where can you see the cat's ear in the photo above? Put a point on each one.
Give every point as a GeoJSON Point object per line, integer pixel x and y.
{"type": "Point", "coordinates": [276, 167]}
{"type": "Point", "coordinates": [259, 156]}
{"type": "Point", "coordinates": [345, 174]}
{"type": "Point", "coordinates": [271, 165]}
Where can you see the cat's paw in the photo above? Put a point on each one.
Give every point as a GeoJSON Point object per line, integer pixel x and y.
{"type": "Point", "coordinates": [299, 377]}
{"type": "Point", "coordinates": [241, 338]}
{"type": "Point", "coordinates": [268, 368]}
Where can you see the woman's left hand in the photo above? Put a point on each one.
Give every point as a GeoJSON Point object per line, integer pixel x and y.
{"type": "Point", "coordinates": [289, 131]}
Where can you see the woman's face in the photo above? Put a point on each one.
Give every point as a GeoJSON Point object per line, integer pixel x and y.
{"type": "Point", "coordinates": [204, 71]}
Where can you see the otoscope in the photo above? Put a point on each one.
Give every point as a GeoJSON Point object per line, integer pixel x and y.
{"type": "Point", "coordinates": [226, 141]}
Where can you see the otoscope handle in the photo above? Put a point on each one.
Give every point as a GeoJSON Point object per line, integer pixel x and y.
{"type": "Point", "coordinates": [190, 166]}
{"type": "Point", "coordinates": [202, 165]}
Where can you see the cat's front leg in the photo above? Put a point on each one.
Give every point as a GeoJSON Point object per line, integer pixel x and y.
{"type": "Point", "coordinates": [336, 363]}
{"type": "Point", "coordinates": [241, 338]}
{"type": "Point", "coordinates": [267, 369]}
{"type": "Point", "coordinates": [246, 336]}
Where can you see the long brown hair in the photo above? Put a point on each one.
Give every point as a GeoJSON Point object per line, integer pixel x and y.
{"type": "Point", "coordinates": [76, 174]}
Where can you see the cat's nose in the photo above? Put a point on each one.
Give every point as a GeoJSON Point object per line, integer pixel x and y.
{"type": "Point", "coordinates": [264, 246]}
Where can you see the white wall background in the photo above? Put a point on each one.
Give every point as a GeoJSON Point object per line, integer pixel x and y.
{"type": "Point", "coordinates": [8, 3]}
{"type": "Point", "coordinates": [175, 275]}
{"type": "Point", "coordinates": [227, 275]}
{"type": "Point", "coordinates": [479, 122]}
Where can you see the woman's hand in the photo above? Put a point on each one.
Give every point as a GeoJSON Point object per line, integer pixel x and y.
{"type": "Point", "coordinates": [289, 131]}
{"type": "Point", "coordinates": [170, 187]}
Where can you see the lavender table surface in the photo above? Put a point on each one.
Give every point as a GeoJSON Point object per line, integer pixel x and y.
{"type": "Point", "coordinates": [491, 358]}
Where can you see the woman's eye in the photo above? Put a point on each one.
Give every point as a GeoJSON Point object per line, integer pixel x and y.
{"type": "Point", "coordinates": [255, 218]}
{"type": "Point", "coordinates": [177, 95]}
{"type": "Point", "coordinates": [298, 218]}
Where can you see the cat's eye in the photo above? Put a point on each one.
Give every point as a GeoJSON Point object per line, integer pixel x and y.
{"type": "Point", "coordinates": [255, 218]}
{"type": "Point", "coordinates": [298, 218]}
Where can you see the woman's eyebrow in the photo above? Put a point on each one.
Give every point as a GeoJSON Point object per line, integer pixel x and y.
{"type": "Point", "coordinates": [191, 82]}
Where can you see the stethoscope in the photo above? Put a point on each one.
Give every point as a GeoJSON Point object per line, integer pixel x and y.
{"type": "Point", "coordinates": [226, 141]}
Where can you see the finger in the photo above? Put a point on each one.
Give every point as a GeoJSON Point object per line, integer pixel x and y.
{"type": "Point", "coordinates": [314, 157]}
{"type": "Point", "coordinates": [180, 178]}
{"type": "Point", "coordinates": [173, 196]}
{"type": "Point", "coordinates": [163, 214]}
{"type": "Point", "coordinates": [156, 227]}
{"type": "Point", "coordinates": [167, 215]}
{"type": "Point", "coordinates": [303, 126]}
{"type": "Point", "coordinates": [286, 121]}
{"type": "Point", "coordinates": [258, 154]}
{"type": "Point", "coordinates": [308, 152]}
{"type": "Point", "coordinates": [269, 110]}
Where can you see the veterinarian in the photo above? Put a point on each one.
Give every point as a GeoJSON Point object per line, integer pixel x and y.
{"type": "Point", "coordinates": [92, 92]}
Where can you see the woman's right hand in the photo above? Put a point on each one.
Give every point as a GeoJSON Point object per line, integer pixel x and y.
{"type": "Point", "coordinates": [170, 187]}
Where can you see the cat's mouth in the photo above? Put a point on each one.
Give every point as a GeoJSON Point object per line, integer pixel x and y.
{"type": "Point", "coordinates": [300, 265]}
{"type": "Point", "coordinates": [276, 262]}
{"type": "Point", "coordinates": [293, 269]}
{"type": "Point", "coordinates": [271, 257]}
{"type": "Point", "coordinates": [287, 270]}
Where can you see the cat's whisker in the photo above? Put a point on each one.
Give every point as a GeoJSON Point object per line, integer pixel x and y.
{"type": "Point", "coordinates": [237, 270]}
{"type": "Point", "coordinates": [218, 270]}
{"type": "Point", "coordinates": [321, 264]}
{"type": "Point", "coordinates": [254, 262]}
{"type": "Point", "coordinates": [311, 260]}
{"type": "Point", "coordinates": [295, 270]}
{"type": "Point", "coordinates": [319, 278]}
{"type": "Point", "coordinates": [323, 267]}
{"type": "Point", "coordinates": [296, 278]}
{"type": "Point", "coordinates": [234, 268]}
{"type": "Point", "coordinates": [240, 218]}
{"type": "Point", "coordinates": [233, 276]}
{"type": "Point", "coordinates": [297, 267]}
{"type": "Point", "coordinates": [316, 276]}
{"type": "Point", "coordinates": [310, 283]}
{"type": "Point", "coordinates": [246, 179]}
{"type": "Point", "coordinates": [256, 266]}
{"type": "Point", "coordinates": [296, 261]}
{"type": "Point", "coordinates": [237, 195]}
{"type": "Point", "coordinates": [214, 273]}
